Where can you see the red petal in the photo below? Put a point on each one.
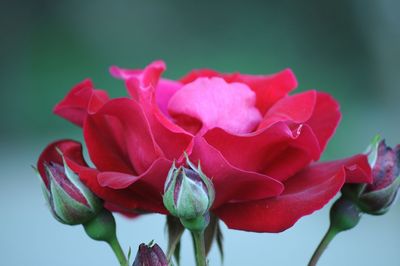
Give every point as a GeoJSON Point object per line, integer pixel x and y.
{"type": "Point", "coordinates": [164, 91]}
{"type": "Point", "coordinates": [231, 183]}
{"type": "Point", "coordinates": [197, 73]}
{"type": "Point", "coordinates": [269, 89]}
{"type": "Point", "coordinates": [154, 176]}
{"type": "Point", "coordinates": [257, 152]}
{"type": "Point", "coordinates": [70, 148]}
{"type": "Point", "coordinates": [116, 180]}
{"type": "Point", "coordinates": [142, 81]}
{"type": "Point", "coordinates": [172, 139]}
{"type": "Point", "coordinates": [288, 163]}
{"type": "Point", "coordinates": [297, 108]}
{"type": "Point", "coordinates": [325, 118]}
{"type": "Point", "coordinates": [358, 169]}
{"type": "Point", "coordinates": [74, 107]}
{"type": "Point", "coordinates": [126, 200]}
{"type": "Point", "coordinates": [119, 139]}
{"type": "Point", "coordinates": [142, 85]}
{"type": "Point", "coordinates": [304, 193]}
{"type": "Point", "coordinates": [146, 189]}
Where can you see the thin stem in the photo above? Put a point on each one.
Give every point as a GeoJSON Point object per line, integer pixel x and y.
{"type": "Point", "coordinates": [119, 253]}
{"type": "Point", "coordinates": [199, 248]}
{"type": "Point", "coordinates": [330, 234]}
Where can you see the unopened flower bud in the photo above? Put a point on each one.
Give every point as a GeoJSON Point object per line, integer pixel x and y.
{"type": "Point", "coordinates": [377, 197]}
{"type": "Point", "coordinates": [189, 194]}
{"type": "Point", "coordinates": [150, 255]}
{"type": "Point", "coordinates": [69, 200]}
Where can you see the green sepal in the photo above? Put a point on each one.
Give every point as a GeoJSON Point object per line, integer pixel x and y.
{"type": "Point", "coordinates": [177, 253]}
{"type": "Point", "coordinates": [47, 196]}
{"type": "Point", "coordinates": [68, 210]}
{"type": "Point", "coordinates": [94, 202]}
{"type": "Point", "coordinates": [192, 201]}
{"type": "Point", "coordinates": [378, 202]}
{"type": "Point", "coordinates": [168, 197]}
{"type": "Point", "coordinates": [372, 150]}
{"type": "Point", "coordinates": [209, 185]}
{"type": "Point", "coordinates": [46, 192]}
{"type": "Point", "coordinates": [129, 254]}
{"type": "Point", "coordinates": [213, 233]}
{"type": "Point", "coordinates": [220, 244]}
{"type": "Point", "coordinates": [207, 181]}
{"type": "Point", "coordinates": [175, 231]}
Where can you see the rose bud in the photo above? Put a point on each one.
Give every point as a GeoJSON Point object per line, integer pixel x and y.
{"type": "Point", "coordinates": [69, 200]}
{"type": "Point", "coordinates": [189, 194]}
{"type": "Point", "coordinates": [59, 168]}
{"type": "Point", "coordinates": [377, 197]}
{"type": "Point", "coordinates": [150, 255]}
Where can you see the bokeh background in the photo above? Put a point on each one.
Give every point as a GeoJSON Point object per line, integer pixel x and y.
{"type": "Point", "coordinates": [350, 49]}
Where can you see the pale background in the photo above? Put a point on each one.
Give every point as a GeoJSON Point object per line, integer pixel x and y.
{"type": "Point", "coordinates": [348, 48]}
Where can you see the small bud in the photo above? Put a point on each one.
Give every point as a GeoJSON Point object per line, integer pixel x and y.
{"type": "Point", "coordinates": [150, 255]}
{"type": "Point", "coordinates": [377, 197]}
{"type": "Point", "coordinates": [189, 194]}
{"type": "Point", "coordinates": [70, 201]}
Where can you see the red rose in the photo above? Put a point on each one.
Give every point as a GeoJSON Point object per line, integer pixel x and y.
{"type": "Point", "coordinates": [256, 142]}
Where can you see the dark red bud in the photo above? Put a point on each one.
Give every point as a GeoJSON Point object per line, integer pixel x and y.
{"type": "Point", "coordinates": [150, 255]}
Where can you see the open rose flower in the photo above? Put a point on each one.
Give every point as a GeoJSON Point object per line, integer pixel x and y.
{"type": "Point", "coordinates": [256, 142]}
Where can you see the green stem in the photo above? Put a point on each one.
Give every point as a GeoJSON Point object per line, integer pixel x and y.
{"type": "Point", "coordinates": [199, 248]}
{"type": "Point", "coordinates": [119, 253]}
{"type": "Point", "coordinates": [330, 234]}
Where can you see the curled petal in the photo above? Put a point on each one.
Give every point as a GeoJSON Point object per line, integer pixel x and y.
{"type": "Point", "coordinates": [325, 118]}
{"type": "Point", "coordinates": [153, 94]}
{"type": "Point", "coordinates": [258, 152]}
{"type": "Point", "coordinates": [297, 108]}
{"type": "Point", "coordinates": [70, 148]}
{"type": "Point", "coordinates": [142, 82]}
{"type": "Point", "coordinates": [83, 98]}
{"type": "Point", "coordinates": [129, 201]}
{"type": "Point", "coordinates": [119, 139]}
{"type": "Point", "coordinates": [154, 176]}
{"type": "Point", "coordinates": [304, 193]}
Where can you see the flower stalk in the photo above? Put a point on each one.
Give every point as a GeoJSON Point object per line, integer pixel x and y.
{"type": "Point", "coordinates": [330, 234]}
{"type": "Point", "coordinates": [119, 253]}
{"type": "Point", "coordinates": [344, 215]}
{"type": "Point", "coordinates": [199, 248]}
{"type": "Point", "coordinates": [103, 228]}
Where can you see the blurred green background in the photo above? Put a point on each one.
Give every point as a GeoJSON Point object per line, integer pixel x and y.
{"type": "Point", "coordinates": [350, 49]}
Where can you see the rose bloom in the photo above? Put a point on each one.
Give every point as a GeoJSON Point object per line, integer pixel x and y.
{"type": "Point", "coordinates": [256, 142]}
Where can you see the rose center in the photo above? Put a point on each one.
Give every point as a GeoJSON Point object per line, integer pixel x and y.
{"type": "Point", "coordinates": [212, 102]}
